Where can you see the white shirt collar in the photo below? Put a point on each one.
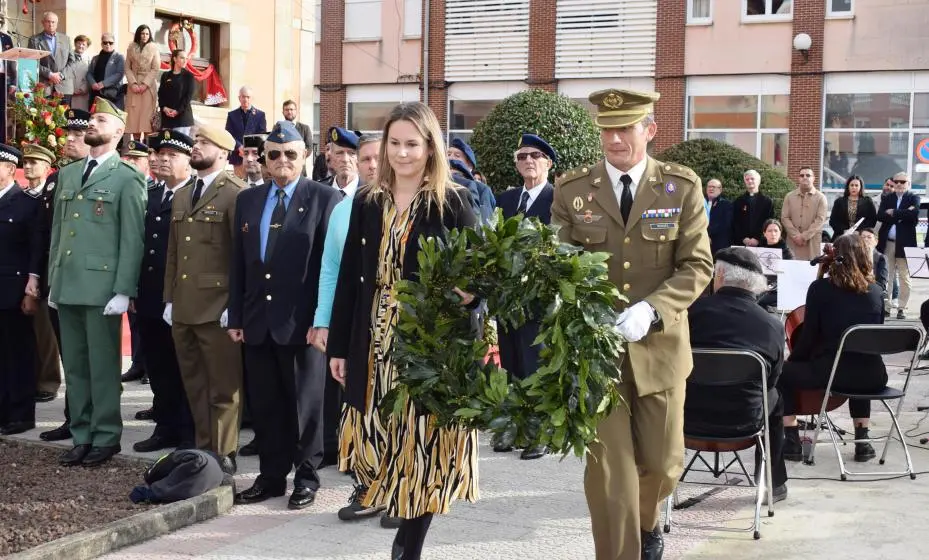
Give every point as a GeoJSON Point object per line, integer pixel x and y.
{"type": "Point", "coordinates": [35, 191]}
{"type": "Point", "coordinates": [257, 183]}
{"type": "Point", "coordinates": [533, 192]}
{"type": "Point", "coordinates": [349, 189]}
{"type": "Point", "coordinates": [636, 173]}
{"type": "Point", "coordinates": [99, 160]}
{"type": "Point", "coordinates": [208, 180]}
{"type": "Point", "coordinates": [7, 189]}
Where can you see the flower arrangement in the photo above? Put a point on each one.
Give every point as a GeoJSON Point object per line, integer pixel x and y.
{"type": "Point", "coordinates": [39, 119]}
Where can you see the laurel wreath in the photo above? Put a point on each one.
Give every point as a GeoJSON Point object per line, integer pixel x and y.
{"type": "Point", "coordinates": [522, 270]}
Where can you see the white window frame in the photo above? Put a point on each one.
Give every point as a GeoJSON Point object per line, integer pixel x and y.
{"type": "Point", "coordinates": [767, 17]}
{"type": "Point", "coordinates": [407, 25]}
{"type": "Point", "coordinates": [319, 20]}
{"type": "Point", "coordinates": [692, 20]}
{"type": "Point", "coordinates": [373, 10]}
{"type": "Point", "coordinates": [849, 13]}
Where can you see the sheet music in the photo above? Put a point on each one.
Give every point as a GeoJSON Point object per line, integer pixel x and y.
{"type": "Point", "coordinates": [793, 283]}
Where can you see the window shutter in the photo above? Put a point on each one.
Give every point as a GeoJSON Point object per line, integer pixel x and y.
{"type": "Point", "coordinates": [486, 40]}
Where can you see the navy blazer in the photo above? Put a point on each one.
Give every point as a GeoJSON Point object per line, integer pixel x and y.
{"type": "Point", "coordinates": [905, 218]}
{"type": "Point", "coordinates": [21, 249]}
{"type": "Point", "coordinates": [278, 296]}
{"type": "Point", "coordinates": [240, 123]}
{"type": "Point", "coordinates": [541, 207]}
{"type": "Point", "coordinates": [150, 301]}
{"type": "Point", "coordinates": [720, 228]}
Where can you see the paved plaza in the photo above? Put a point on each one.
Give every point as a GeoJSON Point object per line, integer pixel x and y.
{"type": "Point", "coordinates": [536, 509]}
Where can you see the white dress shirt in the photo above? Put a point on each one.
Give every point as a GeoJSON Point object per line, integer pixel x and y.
{"type": "Point", "coordinates": [7, 189]}
{"type": "Point", "coordinates": [349, 189]}
{"type": "Point", "coordinates": [534, 193]}
{"type": "Point", "coordinates": [100, 160]}
{"type": "Point", "coordinates": [207, 182]}
{"type": "Point", "coordinates": [635, 173]}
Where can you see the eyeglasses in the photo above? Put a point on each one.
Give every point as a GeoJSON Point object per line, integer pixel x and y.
{"type": "Point", "coordinates": [526, 155]}
{"type": "Point", "coordinates": [104, 43]}
{"type": "Point", "coordinates": [292, 155]}
{"type": "Point", "coordinates": [901, 181]}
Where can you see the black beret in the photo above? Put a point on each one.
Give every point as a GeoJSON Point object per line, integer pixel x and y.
{"type": "Point", "coordinates": [740, 257]}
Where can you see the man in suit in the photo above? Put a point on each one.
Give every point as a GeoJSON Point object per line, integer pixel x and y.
{"type": "Point", "coordinates": [280, 231]}
{"type": "Point", "coordinates": [106, 71]}
{"type": "Point", "coordinates": [21, 257]}
{"type": "Point", "coordinates": [650, 217]}
{"type": "Point", "coordinates": [534, 159]}
{"type": "Point", "coordinates": [95, 254]}
{"type": "Point", "coordinates": [37, 161]}
{"type": "Point", "coordinates": [137, 156]}
{"type": "Point", "coordinates": [719, 212]}
{"type": "Point", "coordinates": [253, 152]}
{"type": "Point", "coordinates": [74, 149]}
{"type": "Point", "coordinates": [59, 47]}
{"type": "Point", "coordinates": [899, 214]}
{"type": "Point", "coordinates": [750, 211]}
{"type": "Point", "coordinates": [196, 294]}
{"type": "Point", "coordinates": [247, 119]}
{"type": "Point", "coordinates": [171, 412]}
{"type": "Point", "coordinates": [290, 115]}
{"type": "Point", "coordinates": [461, 151]}
{"type": "Point", "coordinates": [804, 215]}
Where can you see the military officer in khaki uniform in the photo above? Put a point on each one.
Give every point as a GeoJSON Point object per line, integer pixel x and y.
{"type": "Point", "coordinates": [649, 215]}
{"type": "Point", "coordinates": [197, 292]}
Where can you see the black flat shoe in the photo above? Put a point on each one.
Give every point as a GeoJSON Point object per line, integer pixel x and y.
{"type": "Point", "coordinates": [44, 396]}
{"type": "Point", "coordinates": [144, 380]}
{"type": "Point", "coordinates": [779, 493]}
{"type": "Point", "coordinates": [301, 497]}
{"type": "Point", "coordinates": [500, 448]}
{"type": "Point", "coordinates": [155, 443]}
{"type": "Point", "coordinates": [146, 414]}
{"type": "Point", "coordinates": [74, 456]}
{"type": "Point", "coordinates": [60, 433]}
{"type": "Point", "coordinates": [530, 453]}
{"type": "Point", "coordinates": [652, 545]}
{"type": "Point", "coordinates": [100, 455]}
{"type": "Point", "coordinates": [134, 373]}
{"type": "Point", "coordinates": [14, 428]}
{"type": "Point", "coordinates": [259, 492]}
{"type": "Point", "coordinates": [249, 449]}
{"type": "Point", "coordinates": [230, 467]}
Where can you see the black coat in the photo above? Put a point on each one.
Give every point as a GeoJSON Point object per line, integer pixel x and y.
{"type": "Point", "coordinates": [732, 319]}
{"type": "Point", "coordinates": [879, 262]}
{"type": "Point", "coordinates": [278, 296]}
{"type": "Point", "coordinates": [46, 212]}
{"type": "Point", "coordinates": [749, 216]}
{"type": "Point", "coordinates": [838, 219]}
{"type": "Point", "coordinates": [176, 91]}
{"type": "Point", "coordinates": [720, 228]}
{"type": "Point", "coordinates": [905, 218]}
{"type": "Point", "coordinates": [350, 328]}
{"type": "Point", "coordinates": [21, 245]}
{"type": "Point", "coordinates": [150, 301]}
{"type": "Point", "coordinates": [541, 208]}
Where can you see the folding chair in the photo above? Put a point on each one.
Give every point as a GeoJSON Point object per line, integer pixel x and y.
{"type": "Point", "coordinates": [720, 368]}
{"type": "Point", "coordinates": [881, 340]}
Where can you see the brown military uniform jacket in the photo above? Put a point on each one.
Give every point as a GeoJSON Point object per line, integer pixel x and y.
{"type": "Point", "coordinates": [200, 251]}
{"type": "Point", "coordinates": [661, 256]}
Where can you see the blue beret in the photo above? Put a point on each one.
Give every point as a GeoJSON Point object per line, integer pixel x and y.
{"type": "Point", "coordinates": [461, 168]}
{"type": "Point", "coordinates": [464, 147]}
{"type": "Point", "coordinates": [284, 132]}
{"type": "Point", "coordinates": [10, 154]}
{"type": "Point", "coordinates": [533, 141]}
{"type": "Point", "coordinates": [173, 140]}
{"type": "Point", "coordinates": [342, 137]}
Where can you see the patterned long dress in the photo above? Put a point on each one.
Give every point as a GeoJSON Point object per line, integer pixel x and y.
{"type": "Point", "coordinates": [409, 465]}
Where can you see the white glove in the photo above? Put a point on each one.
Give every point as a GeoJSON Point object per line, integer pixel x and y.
{"type": "Point", "coordinates": [117, 306]}
{"type": "Point", "coordinates": [634, 323]}
{"type": "Point", "coordinates": [167, 314]}
{"type": "Point", "coordinates": [52, 304]}
{"type": "Point", "coordinates": [224, 319]}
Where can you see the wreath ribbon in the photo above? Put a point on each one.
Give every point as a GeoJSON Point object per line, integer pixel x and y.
{"type": "Point", "coordinates": [215, 92]}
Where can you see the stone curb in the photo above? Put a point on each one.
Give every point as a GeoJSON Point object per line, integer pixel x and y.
{"type": "Point", "coordinates": [133, 530]}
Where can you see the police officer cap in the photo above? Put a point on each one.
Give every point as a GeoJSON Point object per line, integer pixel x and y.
{"type": "Point", "coordinates": [9, 154]}
{"type": "Point", "coordinates": [34, 151]}
{"type": "Point", "coordinates": [256, 141]}
{"type": "Point", "coordinates": [78, 119]}
{"type": "Point", "coordinates": [617, 108]}
{"type": "Point", "coordinates": [533, 141]}
{"type": "Point", "coordinates": [342, 137]}
{"type": "Point", "coordinates": [740, 257]}
{"type": "Point", "coordinates": [464, 147]}
{"type": "Point", "coordinates": [174, 140]}
{"type": "Point", "coordinates": [461, 168]}
{"type": "Point", "coordinates": [138, 149]}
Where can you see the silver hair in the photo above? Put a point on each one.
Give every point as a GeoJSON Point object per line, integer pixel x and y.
{"type": "Point", "coordinates": [368, 139]}
{"type": "Point", "coordinates": [754, 174]}
{"type": "Point", "coordinates": [737, 277]}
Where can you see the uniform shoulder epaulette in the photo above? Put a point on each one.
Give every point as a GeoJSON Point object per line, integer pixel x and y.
{"type": "Point", "coordinates": [129, 166]}
{"type": "Point", "coordinates": [72, 162]}
{"type": "Point", "coordinates": [572, 175]}
{"type": "Point", "coordinates": [236, 181]}
{"type": "Point", "coordinates": [678, 170]}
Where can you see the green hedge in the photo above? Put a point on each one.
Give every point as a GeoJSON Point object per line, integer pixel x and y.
{"type": "Point", "coordinates": [713, 159]}
{"type": "Point", "coordinates": [563, 123]}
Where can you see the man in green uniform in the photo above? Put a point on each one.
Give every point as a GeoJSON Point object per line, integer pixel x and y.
{"type": "Point", "coordinates": [96, 252]}
{"type": "Point", "coordinates": [650, 217]}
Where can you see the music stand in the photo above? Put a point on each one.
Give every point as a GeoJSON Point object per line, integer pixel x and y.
{"type": "Point", "coordinates": [15, 54]}
{"type": "Point", "coordinates": [917, 261]}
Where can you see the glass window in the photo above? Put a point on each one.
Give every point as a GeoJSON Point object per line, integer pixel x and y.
{"type": "Point", "coordinates": [369, 116]}
{"type": "Point", "coordinates": [774, 149]}
{"type": "Point", "coordinates": [206, 53]}
{"type": "Point", "coordinates": [724, 111]}
{"type": "Point", "coordinates": [319, 20]}
{"type": "Point", "coordinates": [921, 110]}
{"type": "Point", "coordinates": [767, 8]}
{"type": "Point", "coordinates": [412, 18]}
{"type": "Point", "coordinates": [873, 155]}
{"type": "Point", "coordinates": [840, 7]}
{"type": "Point", "coordinates": [868, 110]}
{"type": "Point", "coordinates": [699, 11]}
{"type": "Point", "coordinates": [466, 114]}
{"type": "Point", "coordinates": [775, 111]}
{"type": "Point", "coordinates": [362, 19]}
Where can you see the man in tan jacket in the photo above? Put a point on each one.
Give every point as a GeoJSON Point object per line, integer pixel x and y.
{"type": "Point", "coordinates": [197, 292]}
{"type": "Point", "coordinates": [803, 215]}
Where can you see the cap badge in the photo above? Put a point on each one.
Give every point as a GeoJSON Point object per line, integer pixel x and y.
{"type": "Point", "coordinates": [612, 101]}
{"type": "Point", "coordinates": [670, 188]}
{"type": "Point", "coordinates": [335, 135]}
{"type": "Point", "coordinates": [70, 114]}
{"type": "Point", "coordinates": [167, 135]}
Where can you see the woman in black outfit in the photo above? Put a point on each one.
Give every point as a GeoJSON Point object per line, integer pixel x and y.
{"type": "Point", "coordinates": [773, 238]}
{"type": "Point", "coordinates": [847, 297]}
{"type": "Point", "coordinates": [851, 207]}
{"type": "Point", "coordinates": [174, 94]}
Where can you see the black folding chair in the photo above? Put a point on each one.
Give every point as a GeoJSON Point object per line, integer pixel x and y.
{"type": "Point", "coordinates": [722, 368]}
{"type": "Point", "coordinates": [880, 340]}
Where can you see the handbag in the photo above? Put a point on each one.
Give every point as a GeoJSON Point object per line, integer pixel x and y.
{"type": "Point", "coordinates": [156, 119]}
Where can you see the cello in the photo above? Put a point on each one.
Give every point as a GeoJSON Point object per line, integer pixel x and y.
{"type": "Point", "coordinates": [794, 321]}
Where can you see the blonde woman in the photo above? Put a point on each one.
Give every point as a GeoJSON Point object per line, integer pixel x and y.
{"type": "Point", "coordinates": [409, 466]}
{"type": "Point", "coordinates": [143, 69]}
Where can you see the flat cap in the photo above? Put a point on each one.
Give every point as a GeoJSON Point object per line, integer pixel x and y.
{"type": "Point", "coordinates": [617, 108]}
{"type": "Point", "coordinates": [10, 154]}
{"type": "Point", "coordinates": [216, 136]}
{"type": "Point", "coordinates": [137, 149]}
{"type": "Point", "coordinates": [35, 151]}
{"type": "Point", "coordinates": [740, 257]}
{"type": "Point", "coordinates": [461, 168]}
{"type": "Point", "coordinates": [460, 144]}
{"type": "Point", "coordinates": [101, 105]}
{"type": "Point", "coordinates": [533, 141]}
{"type": "Point", "coordinates": [174, 140]}
{"type": "Point", "coordinates": [78, 119]}
{"type": "Point", "coordinates": [342, 137]}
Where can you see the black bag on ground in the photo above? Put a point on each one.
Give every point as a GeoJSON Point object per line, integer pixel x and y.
{"type": "Point", "coordinates": [180, 475]}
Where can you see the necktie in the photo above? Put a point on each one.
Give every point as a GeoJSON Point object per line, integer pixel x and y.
{"type": "Point", "coordinates": [198, 190]}
{"type": "Point", "coordinates": [625, 203]}
{"type": "Point", "coordinates": [90, 168]}
{"type": "Point", "coordinates": [277, 222]}
{"type": "Point", "coordinates": [343, 193]}
{"type": "Point", "coordinates": [523, 202]}
{"type": "Point", "coordinates": [169, 196]}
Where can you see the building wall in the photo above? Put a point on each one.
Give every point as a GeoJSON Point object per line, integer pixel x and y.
{"type": "Point", "coordinates": [883, 35]}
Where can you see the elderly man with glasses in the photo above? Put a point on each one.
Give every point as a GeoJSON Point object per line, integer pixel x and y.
{"type": "Point", "coordinates": [898, 214]}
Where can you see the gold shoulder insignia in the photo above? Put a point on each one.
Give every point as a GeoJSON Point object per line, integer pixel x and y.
{"type": "Point", "coordinates": [678, 171]}
{"type": "Point", "coordinates": [573, 175]}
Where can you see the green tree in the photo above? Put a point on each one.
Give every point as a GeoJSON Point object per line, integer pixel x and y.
{"type": "Point", "coordinates": [713, 159]}
{"type": "Point", "coordinates": [563, 123]}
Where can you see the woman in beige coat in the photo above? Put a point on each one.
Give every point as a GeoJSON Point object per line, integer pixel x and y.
{"type": "Point", "coordinates": [143, 69]}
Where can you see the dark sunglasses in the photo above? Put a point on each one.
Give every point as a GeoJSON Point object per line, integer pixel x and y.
{"type": "Point", "coordinates": [292, 155]}
{"type": "Point", "coordinates": [901, 181]}
{"type": "Point", "coordinates": [106, 42]}
{"type": "Point", "coordinates": [526, 155]}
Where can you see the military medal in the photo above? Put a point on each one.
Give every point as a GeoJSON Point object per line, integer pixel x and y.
{"type": "Point", "coordinates": [588, 217]}
{"type": "Point", "coordinates": [98, 208]}
{"type": "Point", "coordinates": [578, 203]}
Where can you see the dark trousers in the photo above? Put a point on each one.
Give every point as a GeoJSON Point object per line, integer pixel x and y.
{"type": "Point", "coordinates": [518, 356]}
{"type": "Point", "coordinates": [286, 386]}
{"type": "Point", "coordinates": [332, 414]}
{"type": "Point", "coordinates": [171, 411]}
{"type": "Point", "coordinates": [17, 367]}
{"type": "Point", "coordinates": [924, 314]}
{"type": "Point", "coordinates": [815, 375]}
{"type": "Point", "coordinates": [56, 326]}
{"type": "Point", "coordinates": [138, 355]}
{"type": "Point", "coordinates": [776, 439]}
